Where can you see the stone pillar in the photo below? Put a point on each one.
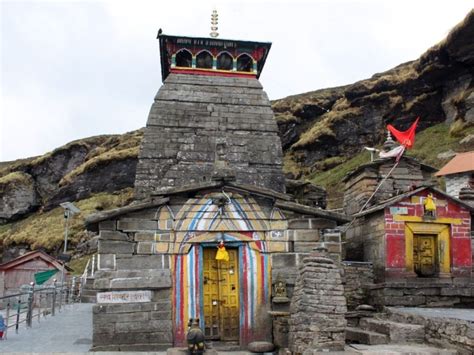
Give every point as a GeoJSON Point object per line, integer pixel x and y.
{"type": "Point", "coordinates": [318, 306]}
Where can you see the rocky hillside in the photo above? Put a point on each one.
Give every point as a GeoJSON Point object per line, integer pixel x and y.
{"type": "Point", "coordinates": [96, 172]}
{"type": "Point", "coordinates": [72, 172]}
{"type": "Point", "coordinates": [324, 128]}
{"type": "Point", "coordinates": [322, 132]}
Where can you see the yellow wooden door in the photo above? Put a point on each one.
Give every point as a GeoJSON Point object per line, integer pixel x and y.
{"type": "Point", "coordinates": [221, 295]}
{"type": "Point", "coordinates": [424, 255]}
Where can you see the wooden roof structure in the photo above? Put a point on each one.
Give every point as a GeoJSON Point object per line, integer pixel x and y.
{"type": "Point", "coordinates": [461, 163]}
{"type": "Point", "coordinates": [31, 256]}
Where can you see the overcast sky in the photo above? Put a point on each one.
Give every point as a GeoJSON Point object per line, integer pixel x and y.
{"type": "Point", "coordinates": [73, 69]}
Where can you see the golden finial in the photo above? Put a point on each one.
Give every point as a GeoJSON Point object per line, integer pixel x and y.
{"type": "Point", "coordinates": [214, 21]}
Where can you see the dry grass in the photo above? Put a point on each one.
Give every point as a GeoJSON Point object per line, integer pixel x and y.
{"type": "Point", "coordinates": [46, 230]}
{"type": "Point", "coordinates": [417, 100]}
{"type": "Point", "coordinates": [8, 166]}
{"type": "Point", "coordinates": [75, 144]}
{"type": "Point", "coordinates": [79, 264]}
{"type": "Point", "coordinates": [322, 97]}
{"type": "Point", "coordinates": [292, 164]}
{"type": "Point", "coordinates": [99, 160]}
{"type": "Point", "coordinates": [450, 38]}
{"type": "Point", "coordinates": [323, 127]}
{"type": "Point", "coordinates": [16, 178]}
{"type": "Point", "coordinates": [328, 163]}
{"type": "Point", "coordinates": [286, 117]}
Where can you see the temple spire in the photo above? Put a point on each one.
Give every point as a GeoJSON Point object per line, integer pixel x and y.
{"type": "Point", "coordinates": [214, 22]}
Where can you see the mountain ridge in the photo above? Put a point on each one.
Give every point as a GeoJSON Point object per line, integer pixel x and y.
{"type": "Point", "coordinates": [322, 133]}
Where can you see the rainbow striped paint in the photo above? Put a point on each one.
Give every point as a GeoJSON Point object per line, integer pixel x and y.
{"type": "Point", "coordinates": [205, 224]}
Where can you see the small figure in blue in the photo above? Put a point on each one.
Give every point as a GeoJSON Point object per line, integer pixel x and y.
{"type": "Point", "coordinates": [2, 327]}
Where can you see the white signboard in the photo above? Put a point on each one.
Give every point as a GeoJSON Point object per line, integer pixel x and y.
{"type": "Point", "coordinates": [124, 297]}
{"type": "Point", "coordinates": [398, 210]}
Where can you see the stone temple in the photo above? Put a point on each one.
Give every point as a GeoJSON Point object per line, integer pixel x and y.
{"type": "Point", "coordinates": [210, 174]}
{"type": "Point", "coordinates": [210, 114]}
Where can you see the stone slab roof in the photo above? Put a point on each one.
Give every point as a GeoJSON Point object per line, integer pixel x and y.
{"type": "Point", "coordinates": [398, 198]}
{"type": "Point", "coordinates": [282, 201]}
{"type": "Point", "coordinates": [378, 162]}
{"type": "Point", "coordinates": [462, 162]}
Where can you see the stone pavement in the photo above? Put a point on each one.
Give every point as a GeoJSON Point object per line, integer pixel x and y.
{"type": "Point", "coordinates": [68, 331]}
{"type": "Point", "coordinates": [456, 313]}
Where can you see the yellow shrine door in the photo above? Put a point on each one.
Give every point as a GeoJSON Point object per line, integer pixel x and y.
{"type": "Point", "coordinates": [221, 296]}
{"type": "Point", "coordinates": [425, 255]}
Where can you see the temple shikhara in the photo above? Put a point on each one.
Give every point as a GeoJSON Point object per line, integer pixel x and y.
{"type": "Point", "coordinates": [217, 239]}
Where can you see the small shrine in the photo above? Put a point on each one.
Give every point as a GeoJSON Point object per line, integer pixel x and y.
{"type": "Point", "coordinates": [416, 236]}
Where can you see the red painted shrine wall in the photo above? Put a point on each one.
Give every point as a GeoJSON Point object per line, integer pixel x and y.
{"type": "Point", "coordinates": [460, 238]}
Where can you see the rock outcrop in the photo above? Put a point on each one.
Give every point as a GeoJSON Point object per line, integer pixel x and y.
{"type": "Point", "coordinates": [330, 124]}
{"type": "Point", "coordinates": [69, 173]}
{"type": "Point", "coordinates": [17, 195]}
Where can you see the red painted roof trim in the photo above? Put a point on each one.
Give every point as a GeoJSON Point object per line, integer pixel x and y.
{"type": "Point", "coordinates": [211, 73]}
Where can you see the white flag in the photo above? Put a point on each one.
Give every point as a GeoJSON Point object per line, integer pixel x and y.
{"type": "Point", "coordinates": [396, 152]}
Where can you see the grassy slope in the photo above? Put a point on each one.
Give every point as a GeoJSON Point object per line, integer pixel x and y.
{"type": "Point", "coordinates": [428, 144]}
{"type": "Point", "coordinates": [46, 230]}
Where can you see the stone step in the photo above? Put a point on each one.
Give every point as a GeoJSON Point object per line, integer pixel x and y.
{"type": "Point", "coordinates": [362, 336]}
{"type": "Point", "coordinates": [397, 332]}
{"type": "Point", "coordinates": [399, 349]}
{"type": "Point", "coordinates": [88, 299]}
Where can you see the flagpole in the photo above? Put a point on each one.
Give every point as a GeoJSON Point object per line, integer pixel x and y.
{"type": "Point", "coordinates": [378, 187]}
{"type": "Point", "coordinates": [373, 194]}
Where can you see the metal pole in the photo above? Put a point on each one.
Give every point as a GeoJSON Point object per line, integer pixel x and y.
{"type": "Point", "coordinates": [66, 216]}
{"type": "Point", "coordinates": [53, 303]}
{"type": "Point", "coordinates": [40, 296]}
{"type": "Point", "coordinates": [73, 290]}
{"type": "Point", "coordinates": [66, 222]}
{"type": "Point", "coordinates": [18, 315]}
{"type": "Point", "coordinates": [29, 314]}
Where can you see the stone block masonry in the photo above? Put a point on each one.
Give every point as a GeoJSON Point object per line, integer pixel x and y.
{"type": "Point", "coordinates": [198, 122]}
{"type": "Point", "coordinates": [358, 277]}
{"type": "Point", "coordinates": [133, 326]}
{"type": "Point", "coordinates": [446, 328]}
{"type": "Point", "coordinates": [318, 307]}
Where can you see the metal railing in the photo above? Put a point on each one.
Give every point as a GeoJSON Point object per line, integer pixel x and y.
{"type": "Point", "coordinates": [36, 302]}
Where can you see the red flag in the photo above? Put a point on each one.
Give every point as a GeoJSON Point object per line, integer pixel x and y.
{"type": "Point", "coordinates": [406, 138]}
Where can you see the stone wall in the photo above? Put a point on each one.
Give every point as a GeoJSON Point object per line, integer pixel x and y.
{"type": "Point", "coordinates": [134, 326]}
{"type": "Point", "coordinates": [361, 184]}
{"type": "Point", "coordinates": [455, 182]}
{"type": "Point", "coordinates": [428, 292]}
{"type": "Point", "coordinates": [357, 279]}
{"type": "Point", "coordinates": [199, 123]}
{"type": "Point", "coordinates": [126, 262]}
{"type": "Point", "coordinates": [444, 332]}
{"type": "Point", "coordinates": [318, 307]}
{"type": "Point", "coordinates": [364, 241]}
{"type": "Point", "coordinates": [303, 235]}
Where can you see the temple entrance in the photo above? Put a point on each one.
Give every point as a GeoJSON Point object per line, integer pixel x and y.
{"type": "Point", "coordinates": [425, 255]}
{"type": "Point", "coordinates": [221, 296]}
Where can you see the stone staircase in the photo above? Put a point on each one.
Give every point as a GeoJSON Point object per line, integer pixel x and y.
{"type": "Point", "coordinates": [383, 330]}
{"type": "Point", "coordinates": [88, 294]}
